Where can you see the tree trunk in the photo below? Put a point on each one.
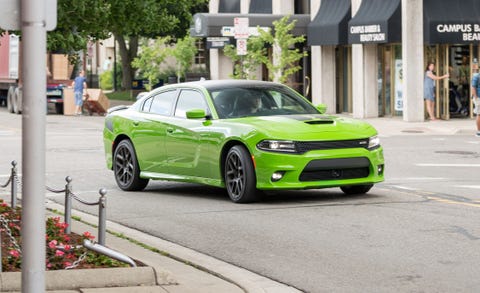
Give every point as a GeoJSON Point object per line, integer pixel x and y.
{"type": "Point", "coordinates": [127, 54]}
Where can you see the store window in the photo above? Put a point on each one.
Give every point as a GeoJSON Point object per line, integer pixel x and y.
{"type": "Point", "coordinates": [390, 80]}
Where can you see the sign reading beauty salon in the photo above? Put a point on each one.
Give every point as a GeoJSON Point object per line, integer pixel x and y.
{"type": "Point", "coordinates": [372, 33]}
{"type": "Point", "coordinates": [454, 33]}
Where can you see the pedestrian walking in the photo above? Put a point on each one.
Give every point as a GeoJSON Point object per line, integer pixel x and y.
{"type": "Point", "coordinates": [476, 95]}
{"type": "Point", "coordinates": [79, 85]}
{"type": "Point", "coordinates": [429, 89]}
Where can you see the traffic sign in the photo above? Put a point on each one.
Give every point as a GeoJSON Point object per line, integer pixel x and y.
{"type": "Point", "coordinates": [241, 46]}
{"type": "Point", "coordinates": [240, 25]}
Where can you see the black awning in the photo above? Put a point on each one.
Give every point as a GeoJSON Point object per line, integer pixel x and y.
{"type": "Point", "coordinates": [376, 21]}
{"type": "Point", "coordinates": [229, 6]}
{"type": "Point", "coordinates": [451, 21]}
{"type": "Point", "coordinates": [211, 24]}
{"type": "Point", "coordinates": [330, 25]}
{"type": "Point", "coordinates": [260, 6]}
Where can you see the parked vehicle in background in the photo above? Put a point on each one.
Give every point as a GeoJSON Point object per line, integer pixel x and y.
{"type": "Point", "coordinates": [241, 135]}
{"type": "Point", "coordinates": [10, 81]}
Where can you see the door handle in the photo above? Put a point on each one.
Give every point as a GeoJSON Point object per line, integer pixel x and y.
{"type": "Point", "coordinates": [169, 130]}
{"type": "Point", "coordinates": [135, 123]}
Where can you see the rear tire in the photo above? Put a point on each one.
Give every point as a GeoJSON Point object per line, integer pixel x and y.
{"type": "Point", "coordinates": [126, 169]}
{"type": "Point", "coordinates": [240, 176]}
{"type": "Point", "coordinates": [356, 189]}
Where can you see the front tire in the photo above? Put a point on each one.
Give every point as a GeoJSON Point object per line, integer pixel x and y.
{"type": "Point", "coordinates": [239, 175]}
{"type": "Point", "coordinates": [126, 169]}
{"type": "Point", "coordinates": [356, 189]}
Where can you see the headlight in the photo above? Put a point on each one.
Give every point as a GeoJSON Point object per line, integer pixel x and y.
{"type": "Point", "coordinates": [283, 146]}
{"type": "Point", "coordinates": [373, 142]}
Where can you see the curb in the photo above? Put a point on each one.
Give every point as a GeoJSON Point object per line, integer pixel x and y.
{"type": "Point", "coordinates": [246, 280]}
{"type": "Point", "coordinates": [87, 278]}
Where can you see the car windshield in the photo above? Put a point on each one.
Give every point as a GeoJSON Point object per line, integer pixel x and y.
{"type": "Point", "coordinates": [235, 102]}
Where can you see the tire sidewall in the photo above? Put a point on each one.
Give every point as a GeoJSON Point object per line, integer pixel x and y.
{"type": "Point", "coordinates": [133, 183]}
{"type": "Point", "coordinates": [249, 192]}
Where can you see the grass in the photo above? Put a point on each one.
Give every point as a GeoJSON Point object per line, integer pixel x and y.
{"type": "Point", "coordinates": [120, 95]}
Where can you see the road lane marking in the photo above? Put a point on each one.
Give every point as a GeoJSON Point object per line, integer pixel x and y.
{"type": "Point", "coordinates": [449, 165]}
{"type": "Point", "coordinates": [469, 186]}
{"type": "Point", "coordinates": [474, 204]}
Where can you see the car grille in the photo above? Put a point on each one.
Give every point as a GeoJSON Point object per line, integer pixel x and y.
{"type": "Point", "coordinates": [336, 169]}
{"type": "Point", "coordinates": [303, 147]}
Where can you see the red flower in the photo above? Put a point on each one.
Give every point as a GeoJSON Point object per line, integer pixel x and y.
{"type": "Point", "coordinates": [88, 235]}
{"type": "Point", "coordinates": [53, 244]}
{"type": "Point", "coordinates": [67, 264]}
{"type": "Point", "coordinates": [14, 253]}
{"type": "Point", "coordinates": [59, 253]}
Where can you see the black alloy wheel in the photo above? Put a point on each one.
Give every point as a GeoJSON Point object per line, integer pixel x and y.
{"type": "Point", "coordinates": [126, 169]}
{"type": "Point", "coordinates": [240, 175]}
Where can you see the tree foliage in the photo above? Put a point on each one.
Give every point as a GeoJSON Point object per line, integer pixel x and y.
{"type": "Point", "coordinates": [131, 19]}
{"type": "Point", "coordinates": [285, 57]}
{"type": "Point", "coordinates": [184, 51]}
{"type": "Point", "coordinates": [245, 66]}
{"type": "Point", "coordinates": [152, 55]}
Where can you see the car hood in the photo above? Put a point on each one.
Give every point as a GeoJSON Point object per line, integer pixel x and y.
{"type": "Point", "coordinates": [310, 127]}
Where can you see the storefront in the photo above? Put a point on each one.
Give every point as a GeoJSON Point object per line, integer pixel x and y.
{"type": "Point", "coordinates": [377, 26]}
{"type": "Point", "coordinates": [451, 36]}
{"type": "Point", "coordinates": [329, 29]}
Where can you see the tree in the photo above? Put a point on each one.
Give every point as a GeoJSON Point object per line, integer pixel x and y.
{"type": "Point", "coordinates": [245, 65]}
{"type": "Point", "coordinates": [184, 51]}
{"type": "Point", "coordinates": [152, 55]}
{"type": "Point", "coordinates": [131, 19]}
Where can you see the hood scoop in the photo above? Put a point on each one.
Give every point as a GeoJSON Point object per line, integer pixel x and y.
{"type": "Point", "coordinates": [322, 121]}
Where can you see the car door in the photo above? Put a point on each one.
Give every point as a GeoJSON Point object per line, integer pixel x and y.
{"type": "Point", "coordinates": [186, 140]}
{"type": "Point", "coordinates": [149, 132]}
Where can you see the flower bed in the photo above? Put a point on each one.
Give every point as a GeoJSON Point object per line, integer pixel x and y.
{"type": "Point", "coordinates": [63, 251]}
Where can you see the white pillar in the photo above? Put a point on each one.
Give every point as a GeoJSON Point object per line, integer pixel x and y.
{"type": "Point", "coordinates": [364, 77]}
{"type": "Point", "coordinates": [412, 55]}
{"type": "Point", "coordinates": [282, 6]}
{"type": "Point", "coordinates": [323, 77]}
{"type": "Point", "coordinates": [213, 6]}
{"type": "Point", "coordinates": [244, 6]}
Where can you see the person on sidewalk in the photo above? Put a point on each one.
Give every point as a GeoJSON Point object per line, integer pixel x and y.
{"type": "Point", "coordinates": [79, 85]}
{"type": "Point", "coordinates": [476, 95]}
{"type": "Point", "coordinates": [429, 89]}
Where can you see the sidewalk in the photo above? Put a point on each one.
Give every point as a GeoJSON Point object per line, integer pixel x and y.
{"type": "Point", "coordinates": [169, 267]}
{"type": "Point", "coordinates": [396, 126]}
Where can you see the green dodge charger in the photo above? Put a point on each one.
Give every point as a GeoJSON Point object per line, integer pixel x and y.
{"type": "Point", "coordinates": [245, 136]}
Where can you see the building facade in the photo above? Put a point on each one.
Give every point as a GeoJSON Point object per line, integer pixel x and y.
{"type": "Point", "coordinates": [366, 57]}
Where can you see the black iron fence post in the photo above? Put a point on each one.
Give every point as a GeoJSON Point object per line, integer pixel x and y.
{"type": "Point", "coordinates": [102, 216]}
{"type": "Point", "coordinates": [68, 205]}
{"type": "Point", "coordinates": [14, 185]}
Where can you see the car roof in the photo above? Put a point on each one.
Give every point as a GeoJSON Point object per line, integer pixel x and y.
{"type": "Point", "coordinates": [211, 84]}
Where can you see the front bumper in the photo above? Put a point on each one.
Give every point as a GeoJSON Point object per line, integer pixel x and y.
{"type": "Point", "coordinates": [319, 169]}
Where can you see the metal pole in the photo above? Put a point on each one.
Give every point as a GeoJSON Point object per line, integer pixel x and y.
{"type": "Point", "coordinates": [34, 40]}
{"type": "Point", "coordinates": [13, 201]}
{"type": "Point", "coordinates": [68, 205]}
{"type": "Point", "coordinates": [102, 216]}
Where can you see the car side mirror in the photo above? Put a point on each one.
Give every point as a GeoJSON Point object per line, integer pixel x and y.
{"type": "Point", "coordinates": [196, 114]}
{"type": "Point", "coordinates": [322, 108]}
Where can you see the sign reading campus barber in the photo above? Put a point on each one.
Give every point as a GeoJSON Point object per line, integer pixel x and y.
{"type": "Point", "coordinates": [371, 33]}
{"type": "Point", "coordinates": [455, 33]}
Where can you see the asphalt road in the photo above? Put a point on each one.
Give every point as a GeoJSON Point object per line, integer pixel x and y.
{"type": "Point", "coordinates": [417, 232]}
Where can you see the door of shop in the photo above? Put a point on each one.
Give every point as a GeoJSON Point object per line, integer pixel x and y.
{"type": "Point", "coordinates": [452, 94]}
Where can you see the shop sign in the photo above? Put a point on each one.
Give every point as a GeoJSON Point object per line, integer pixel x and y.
{"type": "Point", "coordinates": [456, 32]}
{"type": "Point", "coordinates": [372, 33]}
{"type": "Point", "coordinates": [217, 42]}
{"type": "Point", "coordinates": [241, 27]}
{"type": "Point", "coordinates": [229, 31]}
{"type": "Point", "coordinates": [398, 85]}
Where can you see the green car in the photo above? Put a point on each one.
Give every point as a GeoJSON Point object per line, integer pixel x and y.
{"type": "Point", "coordinates": [245, 136]}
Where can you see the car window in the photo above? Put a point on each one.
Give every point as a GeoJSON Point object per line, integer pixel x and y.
{"type": "Point", "coordinates": [162, 103]}
{"type": "Point", "coordinates": [147, 104]}
{"type": "Point", "coordinates": [189, 100]}
{"type": "Point", "coordinates": [234, 102]}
